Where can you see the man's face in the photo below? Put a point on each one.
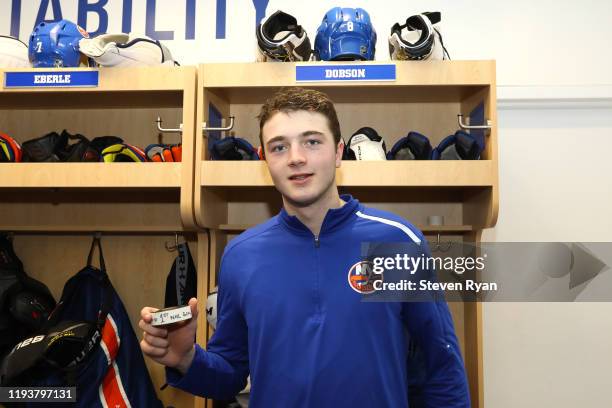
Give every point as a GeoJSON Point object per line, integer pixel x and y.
{"type": "Point", "coordinates": [301, 155]}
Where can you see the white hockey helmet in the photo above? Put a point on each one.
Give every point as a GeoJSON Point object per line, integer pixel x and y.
{"type": "Point", "coordinates": [418, 39]}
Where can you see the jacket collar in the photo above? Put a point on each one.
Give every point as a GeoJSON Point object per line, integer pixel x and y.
{"type": "Point", "coordinates": [334, 218]}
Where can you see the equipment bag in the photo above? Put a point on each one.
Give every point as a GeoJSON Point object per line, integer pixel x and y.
{"type": "Point", "coordinates": [90, 344]}
{"type": "Point", "coordinates": [25, 303]}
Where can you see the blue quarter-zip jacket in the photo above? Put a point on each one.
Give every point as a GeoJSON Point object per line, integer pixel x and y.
{"type": "Point", "coordinates": [287, 315]}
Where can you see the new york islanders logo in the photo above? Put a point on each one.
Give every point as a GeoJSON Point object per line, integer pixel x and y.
{"type": "Point", "coordinates": [361, 277]}
{"type": "Point", "coordinates": [84, 33]}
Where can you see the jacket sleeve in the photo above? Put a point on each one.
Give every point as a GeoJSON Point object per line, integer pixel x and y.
{"type": "Point", "coordinates": [221, 371]}
{"type": "Point", "coordinates": [436, 373]}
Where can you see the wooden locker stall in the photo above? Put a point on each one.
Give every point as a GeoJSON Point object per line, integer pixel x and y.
{"type": "Point", "coordinates": [426, 97]}
{"type": "Point", "coordinates": [53, 209]}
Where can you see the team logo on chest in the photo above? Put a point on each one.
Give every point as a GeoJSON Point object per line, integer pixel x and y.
{"type": "Point", "coordinates": [361, 277]}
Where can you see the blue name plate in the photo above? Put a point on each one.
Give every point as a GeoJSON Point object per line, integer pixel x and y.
{"type": "Point", "coordinates": [50, 79]}
{"type": "Point", "coordinates": [356, 72]}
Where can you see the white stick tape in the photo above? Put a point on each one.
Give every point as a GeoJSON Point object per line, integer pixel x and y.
{"type": "Point", "coordinates": [171, 315]}
{"type": "Point", "coordinates": [435, 219]}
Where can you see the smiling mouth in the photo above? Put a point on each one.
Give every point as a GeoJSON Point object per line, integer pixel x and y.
{"type": "Point", "coordinates": [300, 177]}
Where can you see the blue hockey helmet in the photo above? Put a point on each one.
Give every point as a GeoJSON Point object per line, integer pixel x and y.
{"type": "Point", "coordinates": [56, 44]}
{"type": "Point", "coordinates": [345, 34]}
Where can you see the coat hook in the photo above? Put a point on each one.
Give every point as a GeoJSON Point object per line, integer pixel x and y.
{"type": "Point", "coordinates": [439, 246]}
{"type": "Point", "coordinates": [170, 247]}
{"type": "Point", "coordinates": [220, 129]}
{"type": "Point", "coordinates": [165, 130]}
{"type": "Point", "coordinates": [464, 126]}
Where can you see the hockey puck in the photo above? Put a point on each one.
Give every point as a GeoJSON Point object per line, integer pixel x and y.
{"type": "Point", "coordinates": [171, 315]}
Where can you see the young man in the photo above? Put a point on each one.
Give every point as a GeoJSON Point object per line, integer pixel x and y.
{"type": "Point", "coordinates": [287, 313]}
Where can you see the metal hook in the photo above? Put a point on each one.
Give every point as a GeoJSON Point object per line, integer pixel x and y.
{"type": "Point", "coordinates": [464, 126]}
{"type": "Point", "coordinates": [220, 129]}
{"type": "Point", "coordinates": [9, 235]}
{"type": "Point", "coordinates": [171, 248]}
{"type": "Point", "coordinates": [164, 130]}
{"type": "Point", "coordinates": [438, 246]}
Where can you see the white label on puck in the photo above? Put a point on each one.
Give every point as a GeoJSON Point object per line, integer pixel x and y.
{"type": "Point", "coordinates": [171, 315]}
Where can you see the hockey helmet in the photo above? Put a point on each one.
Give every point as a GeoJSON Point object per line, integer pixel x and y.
{"type": "Point", "coordinates": [56, 44]}
{"type": "Point", "coordinates": [345, 34]}
{"type": "Point", "coordinates": [418, 39]}
{"type": "Point", "coordinates": [281, 38]}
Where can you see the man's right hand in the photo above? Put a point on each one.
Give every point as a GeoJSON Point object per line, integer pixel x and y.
{"type": "Point", "coordinates": [172, 346]}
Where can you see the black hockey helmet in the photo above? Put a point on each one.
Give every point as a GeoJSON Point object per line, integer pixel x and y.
{"type": "Point", "coordinates": [281, 38]}
{"type": "Point", "coordinates": [418, 38]}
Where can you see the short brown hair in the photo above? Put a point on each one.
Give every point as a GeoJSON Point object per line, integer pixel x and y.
{"type": "Point", "coordinates": [296, 99]}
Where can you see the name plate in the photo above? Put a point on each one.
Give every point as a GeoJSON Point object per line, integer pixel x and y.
{"type": "Point", "coordinates": [50, 79]}
{"type": "Point", "coordinates": [353, 72]}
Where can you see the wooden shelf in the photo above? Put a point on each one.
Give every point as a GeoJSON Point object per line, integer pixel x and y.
{"type": "Point", "coordinates": [445, 229]}
{"type": "Point", "coordinates": [117, 88]}
{"type": "Point", "coordinates": [438, 73]}
{"type": "Point", "coordinates": [88, 229]}
{"type": "Point", "coordinates": [116, 79]}
{"type": "Point", "coordinates": [90, 175]}
{"type": "Point", "coordinates": [416, 81]}
{"type": "Point", "coordinates": [477, 173]}
{"type": "Point", "coordinates": [425, 97]}
{"type": "Point", "coordinates": [125, 103]}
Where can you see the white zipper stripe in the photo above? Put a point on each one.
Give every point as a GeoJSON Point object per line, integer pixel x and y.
{"type": "Point", "coordinates": [395, 224]}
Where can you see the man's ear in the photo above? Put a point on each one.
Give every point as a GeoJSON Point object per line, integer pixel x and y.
{"type": "Point", "coordinates": [339, 152]}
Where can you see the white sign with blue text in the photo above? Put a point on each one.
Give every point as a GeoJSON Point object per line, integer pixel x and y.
{"type": "Point", "coordinates": [352, 72]}
{"type": "Point", "coordinates": [54, 79]}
